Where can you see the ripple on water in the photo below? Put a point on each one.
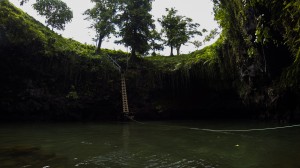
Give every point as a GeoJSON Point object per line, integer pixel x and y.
{"type": "Point", "coordinates": [127, 159]}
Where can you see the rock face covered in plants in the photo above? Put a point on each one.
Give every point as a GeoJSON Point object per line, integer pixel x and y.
{"type": "Point", "coordinates": [46, 76]}
{"type": "Point", "coordinates": [261, 45]}
{"type": "Point", "coordinates": [251, 71]}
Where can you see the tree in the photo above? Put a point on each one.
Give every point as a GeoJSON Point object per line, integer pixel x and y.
{"type": "Point", "coordinates": [186, 30]}
{"type": "Point", "coordinates": [23, 1]}
{"type": "Point", "coordinates": [57, 13]}
{"type": "Point", "coordinates": [103, 15]}
{"type": "Point", "coordinates": [197, 44]}
{"type": "Point", "coordinates": [169, 24]}
{"type": "Point", "coordinates": [212, 34]}
{"type": "Point", "coordinates": [154, 45]}
{"type": "Point", "coordinates": [135, 23]}
{"type": "Point", "coordinates": [177, 29]}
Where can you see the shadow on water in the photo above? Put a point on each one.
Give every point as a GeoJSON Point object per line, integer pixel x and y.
{"type": "Point", "coordinates": [29, 156]}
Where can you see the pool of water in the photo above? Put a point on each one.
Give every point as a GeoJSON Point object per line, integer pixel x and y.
{"type": "Point", "coordinates": [150, 145]}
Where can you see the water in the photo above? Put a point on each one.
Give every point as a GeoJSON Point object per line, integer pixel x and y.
{"type": "Point", "coordinates": [149, 145]}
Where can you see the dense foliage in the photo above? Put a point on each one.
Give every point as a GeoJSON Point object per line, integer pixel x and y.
{"type": "Point", "coordinates": [103, 17]}
{"type": "Point", "coordinates": [46, 76]}
{"type": "Point", "coordinates": [261, 45]}
{"type": "Point", "coordinates": [177, 29]}
{"type": "Point", "coordinates": [255, 62]}
{"type": "Point", "coordinates": [135, 23]}
{"type": "Point", "coordinates": [136, 27]}
{"type": "Point", "coordinates": [57, 12]}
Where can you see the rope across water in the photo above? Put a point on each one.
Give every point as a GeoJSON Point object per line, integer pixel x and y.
{"type": "Point", "coordinates": [247, 130]}
{"type": "Point", "coordinates": [227, 130]}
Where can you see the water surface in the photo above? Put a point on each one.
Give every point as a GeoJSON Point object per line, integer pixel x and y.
{"type": "Point", "coordinates": [149, 145]}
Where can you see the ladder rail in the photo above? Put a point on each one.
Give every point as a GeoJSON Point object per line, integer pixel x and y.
{"type": "Point", "coordinates": [124, 95]}
{"type": "Point", "coordinates": [123, 87]}
{"type": "Point", "coordinates": [114, 62]}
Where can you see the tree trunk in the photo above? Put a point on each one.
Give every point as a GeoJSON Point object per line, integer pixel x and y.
{"type": "Point", "coordinates": [172, 51]}
{"type": "Point", "coordinates": [133, 54]}
{"type": "Point", "coordinates": [178, 50]}
{"type": "Point", "coordinates": [134, 46]}
{"type": "Point", "coordinates": [98, 50]}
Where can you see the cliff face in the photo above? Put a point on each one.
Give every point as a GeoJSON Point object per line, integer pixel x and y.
{"type": "Point", "coordinates": [45, 76]}
{"type": "Point", "coordinates": [48, 77]}
{"type": "Point", "coordinates": [262, 44]}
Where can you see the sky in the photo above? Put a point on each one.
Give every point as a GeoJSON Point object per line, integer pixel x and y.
{"type": "Point", "coordinates": [201, 11]}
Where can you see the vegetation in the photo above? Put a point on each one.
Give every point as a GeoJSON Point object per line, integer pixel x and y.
{"type": "Point", "coordinates": [46, 76]}
{"type": "Point", "coordinates": [56, 11]}
{"type": "Point", "coordinates": [252, 70]}
{"type": "Point", "coordinates": [262, 47]}
{"type": "Point", "coordinates": [135, 23]}
{"type": "Point", "coordinates": [23, 1]}
{"type": "Point", "coordinates": [155, 40]}
{"type": "Point", "coordinates": [103, 15]}
{"type": "Point", "coordinates": [177, 29]}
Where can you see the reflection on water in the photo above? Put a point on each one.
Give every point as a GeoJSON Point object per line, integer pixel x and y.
{"type": "Point", "coordinates": [150, 145]}
{"type": "Point", "coordinates": [125, 136]}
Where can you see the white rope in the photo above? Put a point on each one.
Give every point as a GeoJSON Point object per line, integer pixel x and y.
{"type": "Point", "coordinates": [247, 130]}
{"type": "Point", "coordinates": [130, 118]}
{"type": "Point", "coordinates": [223, 131]}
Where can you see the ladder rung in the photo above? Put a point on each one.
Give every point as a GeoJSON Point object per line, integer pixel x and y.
{"type": "Point", "coordinates": [124, 95]}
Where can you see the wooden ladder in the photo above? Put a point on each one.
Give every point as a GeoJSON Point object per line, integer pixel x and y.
{"type": "Point", "coordinates": [124, 96]}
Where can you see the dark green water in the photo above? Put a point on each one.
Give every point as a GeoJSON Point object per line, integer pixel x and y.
{"type": "Point", "coordinates": [150, 145]}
